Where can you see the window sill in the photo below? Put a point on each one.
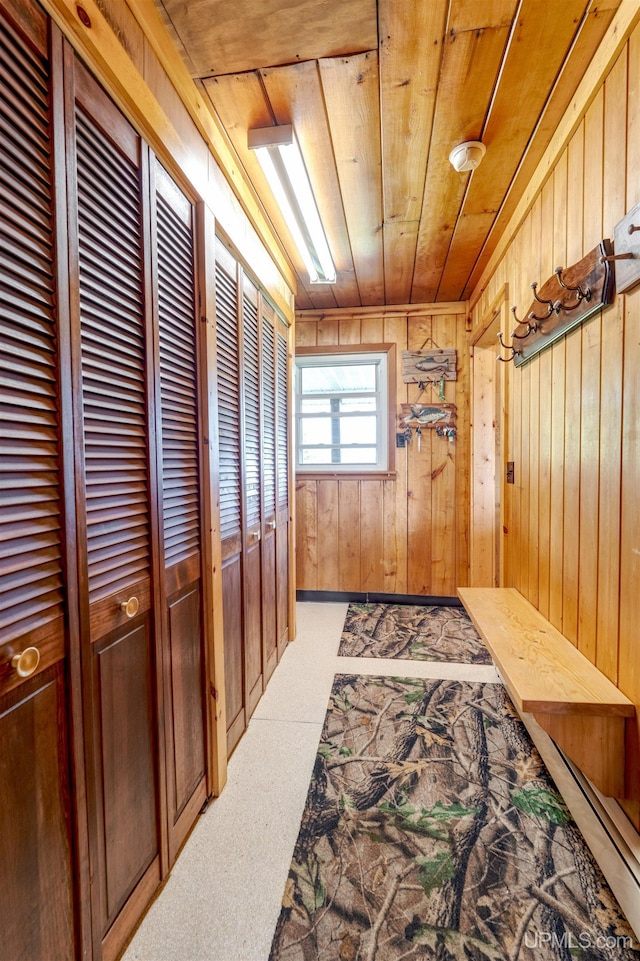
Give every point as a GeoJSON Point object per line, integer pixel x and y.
{"type": "Point", "coordinates": [346, 475]}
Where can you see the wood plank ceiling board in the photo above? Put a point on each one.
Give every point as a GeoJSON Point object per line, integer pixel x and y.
{"type": "Point", "coordinates": [592, 29]}
{"type": "Point", "coordinates": [351, 93]}
{"type": "Point", "coordinates": [410, 51]}
{"type": "Point", "coordinates": [223, 37]}
{"type": "Point", "coordinates": [471, 63]}
{"type": "Point", "coordinates": [240, 103]}
{"type": "Point", "coordinates": [381, 99]}
{"type": "Point", "coordinates": [295, 96]}
{"type": "Point", "coordinates": [539, 42]}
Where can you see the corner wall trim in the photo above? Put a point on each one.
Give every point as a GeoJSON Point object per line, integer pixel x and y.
{"type": "Point", "coordinates": [372, 597]}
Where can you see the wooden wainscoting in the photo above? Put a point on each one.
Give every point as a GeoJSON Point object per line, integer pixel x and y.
{"type": "Point", "coordinates": [408, 534]}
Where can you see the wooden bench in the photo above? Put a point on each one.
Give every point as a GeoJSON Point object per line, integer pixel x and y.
{"type": "Point", "coordinates": [545, 675]}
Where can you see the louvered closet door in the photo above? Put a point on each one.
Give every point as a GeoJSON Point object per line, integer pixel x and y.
{"type": "Point", "coordinates": [268, 460]}
{"type": "Point", "coordinates": [229, 432]}
{"type": "Point", "coordinates": [36, 920]}
{"type": "Point", "coordinates": [116, 506]}
{"type": "Point", "coordinates": [179, 467]}
{"type": "Point", "coordinates": [251, 454]}
{"type": "Point", "coordinates": [283, 420]}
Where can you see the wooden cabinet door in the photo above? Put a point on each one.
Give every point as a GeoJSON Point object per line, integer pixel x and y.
{"type": "Point", "coordinates": [37, 916]}
{"type": "Point", "coordinates": [116, 504]}
{"type": "Point", "coordinates": [283, 421]}
{"type": "Point", "coordinates": [229, 443]}
{"type": "Point", "coordinates": [268, 460]}
{"type": "Point", "coordinates": [251, 475]}
{"type": "Point", "coordinates": [177, 427]}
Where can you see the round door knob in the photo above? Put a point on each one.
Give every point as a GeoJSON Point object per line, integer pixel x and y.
{"type": "Point", "coordinates": [27, 662]}
{"type": "Point", "coordinates": [130, 607]}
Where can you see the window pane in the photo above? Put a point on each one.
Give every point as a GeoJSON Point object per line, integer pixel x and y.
{"type": "Point", "coordinates": [315, 405]}
{"type": "Point", "coordinates": [358, 430]}
{"type": "Point", "coordinates": [316, 456]}
{"type": "Point", "coordinates": [338, 379]}
{"type": "Point", "coordinates": [364, 455]}
{"type": "Point", "coordinates": [316, 430]}
{"type": "Point", "coordinates": [350, 404]}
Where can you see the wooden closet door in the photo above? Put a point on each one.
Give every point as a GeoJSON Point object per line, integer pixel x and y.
{"type": "Point", "coordinates": [36, 920]}
{"type": "Point", "coordinates": [117, 504]}
{"type": "Point", "coordinates": [177, 425]}
{"type": "Point", "coordinates": [268, 461]}
{"type": "Point", "coordinates": [229, 431]}
{"type": "Point", "coordinates": [251, 475]}
{"type": "Point", "coordinates": [283, 421]}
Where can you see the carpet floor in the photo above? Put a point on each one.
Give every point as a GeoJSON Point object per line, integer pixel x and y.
{"type": "Point", "coordinates": [412, 632]}
{"type": "Point", "coordinates": [432, 830]}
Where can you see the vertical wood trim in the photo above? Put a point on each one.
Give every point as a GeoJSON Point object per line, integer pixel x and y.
{"type": "Point", "coordinates": [211, 539]}
{"type": "Point", "coordinates": [69, 473]}
{"type": "Point", "coordinates": [156, 535]}
{"type": "Point", "coordinates": [155, 499]}
{"type": "Point", "coordinates": [291, 484]}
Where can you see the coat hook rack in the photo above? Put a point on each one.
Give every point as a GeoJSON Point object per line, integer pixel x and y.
{"type": "Point", "coordinates": [570, 296]}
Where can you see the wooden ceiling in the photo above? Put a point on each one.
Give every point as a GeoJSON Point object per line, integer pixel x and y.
{"type": "Point", "coordinates": [379, 93]}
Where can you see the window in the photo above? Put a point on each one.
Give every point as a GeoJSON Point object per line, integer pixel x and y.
{"type": "Point", "coordinates": [342, 411]}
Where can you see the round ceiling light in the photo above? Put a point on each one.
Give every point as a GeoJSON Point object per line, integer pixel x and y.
{"type": "Point", "coordinates": [467, 156]}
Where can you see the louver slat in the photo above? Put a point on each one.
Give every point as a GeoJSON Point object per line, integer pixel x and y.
{"type": "Point", "coordinates": [178, 386]}
{"type": "Point", "coordinates": [282, 427]}
{"type": "Point", "coordinates": [251, 390]}
{"type": "Point", "coordinates": [228, 402]}
{"type": "Point", "coordinates": [31, 587]}
{"type": "Point", "coordinates": [113, 376]}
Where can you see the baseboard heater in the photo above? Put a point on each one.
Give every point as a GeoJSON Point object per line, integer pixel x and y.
{"type": "Point", "coordinates": [374, 597]}
{"type": "Point", "coordinates": [606, 829]}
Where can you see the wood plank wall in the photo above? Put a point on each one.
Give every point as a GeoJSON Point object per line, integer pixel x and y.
{"type": "Point", "coordinates": [573, 542]}
{"type": "Point", "coordinates": [409, 534]}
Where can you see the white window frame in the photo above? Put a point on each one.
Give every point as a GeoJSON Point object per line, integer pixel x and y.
{"type": "Point", "coordinates": [383, 356]}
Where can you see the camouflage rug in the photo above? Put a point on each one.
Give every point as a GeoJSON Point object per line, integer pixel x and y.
{"type": "Point", "coordinates": [432, 830]}
{"type": "Point", "coordinates": [412, 632]}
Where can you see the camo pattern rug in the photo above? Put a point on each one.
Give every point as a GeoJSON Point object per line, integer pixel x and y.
{"type": "Point", "coordinates": [412, 632]}
{"type": "Point", "coordinates": [432, 830]}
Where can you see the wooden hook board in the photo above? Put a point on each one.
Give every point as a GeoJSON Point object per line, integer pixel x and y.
{"type": "Point", "coordinates": [566, 309]}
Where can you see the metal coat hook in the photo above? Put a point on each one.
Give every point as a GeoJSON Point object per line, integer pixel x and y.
{"type": "Point", "coordinates": [549, 304]}
{"type": "Point", "coordinates": [514, 351]}
{"type": "Point", "coordinates": [582, 294]}
{"type": "Point", "coordinates": [531, 328]}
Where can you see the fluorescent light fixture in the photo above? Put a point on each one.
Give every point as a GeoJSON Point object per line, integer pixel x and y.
{"type": "Point", "coordinates": [280, 158]}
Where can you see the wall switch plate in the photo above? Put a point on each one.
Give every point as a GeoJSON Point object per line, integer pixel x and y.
{"type": "Point", "coordinates": [401, 440]}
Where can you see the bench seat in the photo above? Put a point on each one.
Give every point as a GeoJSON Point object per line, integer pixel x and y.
{"type": "Point", "coordinates": [545, 675]}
